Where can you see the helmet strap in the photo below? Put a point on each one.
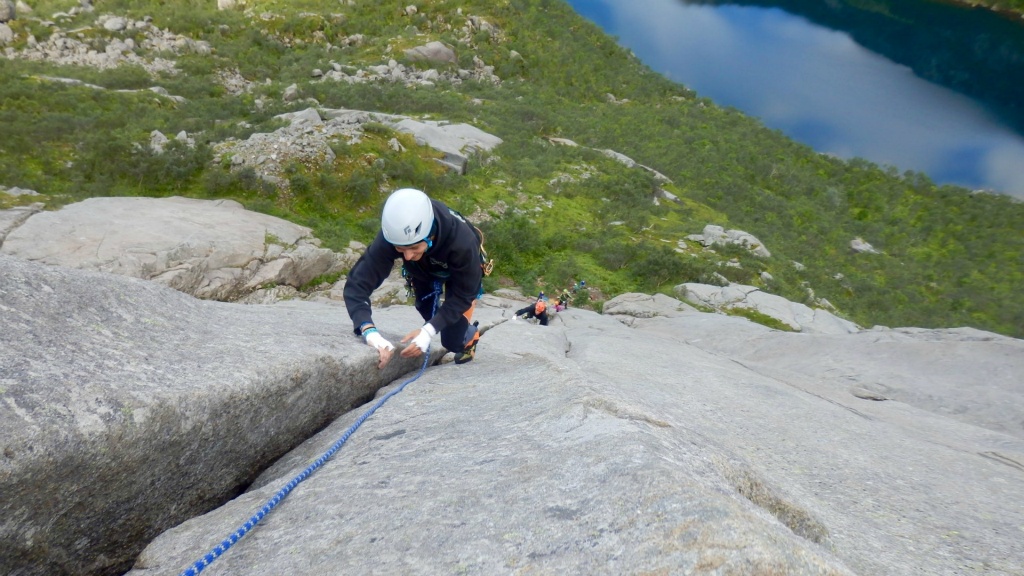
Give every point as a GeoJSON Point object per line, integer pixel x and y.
{"type": "Point", "coordinates": [429, 239]}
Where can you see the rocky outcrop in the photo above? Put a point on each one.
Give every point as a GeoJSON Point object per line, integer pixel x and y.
{"type": "Point", "coordinates": [937, 371]}
{"type": "Point", "coordinates": [212, 249]}
{"type": "Point", "coordinates": [622, 159]}
{"type": "Point", "coordinates": [114, 46]}
{"type": "Point", "coordinates": [628, 307]}
{"type": "Point", "coordinates": [798, 317]}
{"type": "Point", "coordinates": [16, 191]}
{"type": "Point", "coordinates": [714, 234]}
{"type": "Point", "coordinates": [308, 136]}
{"type": "Point", "coordinates": [14, 217]}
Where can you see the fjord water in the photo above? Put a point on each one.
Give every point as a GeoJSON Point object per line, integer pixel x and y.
{"type": "Point", "coordinates": [914, 84]}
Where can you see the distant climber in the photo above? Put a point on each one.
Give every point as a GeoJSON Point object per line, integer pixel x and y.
{"type": "Point", "coordinates": [536, 310]}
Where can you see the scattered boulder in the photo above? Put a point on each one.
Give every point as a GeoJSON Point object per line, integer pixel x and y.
{"type": "Point", "coordinates": [15, 191]}
{"type": "Point", "coordinates": [8, 11]}
{"type": "Point", "coordinates": [457, 141]}
{"type": "Point", "coordinates": [114, 24]}
{"type": "Point", "coordinates": [291, 93]}
{"type": "Point", "coordinates": [714, 234]}
{"type": "Point", "coordinates": [435, 52]}
{"type": "Point", "coordinates": [157, 141]}
{"type": "Point", "coordinates": [860, 246]}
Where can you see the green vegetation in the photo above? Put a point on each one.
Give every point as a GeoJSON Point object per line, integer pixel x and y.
{"type": "Point", "coordinates": [556, 213]}
{"type": "Point", "coordinates": [760, 318]}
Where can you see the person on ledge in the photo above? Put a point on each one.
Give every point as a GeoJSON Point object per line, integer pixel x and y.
{"type": "Point", "coordinates": [440, 254]}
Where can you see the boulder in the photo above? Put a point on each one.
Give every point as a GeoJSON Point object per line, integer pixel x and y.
{"type": "Point", "coordinates": [713, 234]}
{"type": "Point", "coordinates": [860, 246]}
{"type": "Point", "coordinates": [456, 141]}
{"type": "Point", "coordinates": [8, 11]}
{"type": "Point", "coordinates": [435, 52]}
{"type": "Point", "coordinates": [212, 249]}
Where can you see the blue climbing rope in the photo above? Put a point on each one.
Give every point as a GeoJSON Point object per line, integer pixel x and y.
{"type": "Point", "coordinates": [228, 542]}
{"type": "Point", "coordinates": [436, 294]}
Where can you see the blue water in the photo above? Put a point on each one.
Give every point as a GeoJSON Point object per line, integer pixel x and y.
{"type": "Point", "coordinates": [820, 87]}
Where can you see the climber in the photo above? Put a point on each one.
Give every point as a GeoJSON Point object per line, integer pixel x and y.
{"type": "Point", "coordinates": [536, 310]}
{"type": "Point", "coordinates": [441, 253]}
{"type": "Point", "coordinates": [564, 298]}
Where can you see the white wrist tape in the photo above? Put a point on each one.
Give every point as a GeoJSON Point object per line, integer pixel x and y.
{"type": "Point", "coordinates": [377, 341]}
{"type": "Point", "coordinates": [422, 340]}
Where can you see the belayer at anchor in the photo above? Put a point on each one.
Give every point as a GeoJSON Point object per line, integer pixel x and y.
{"type": "Point", "coordinates": [442, 253]}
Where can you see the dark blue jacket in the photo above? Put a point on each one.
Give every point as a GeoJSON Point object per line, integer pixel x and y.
{"type": "Point", "coordinates": [454, 259]}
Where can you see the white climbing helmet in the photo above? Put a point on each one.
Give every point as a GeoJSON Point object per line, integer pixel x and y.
{"type": "Point", "coordinates": [407, 218]}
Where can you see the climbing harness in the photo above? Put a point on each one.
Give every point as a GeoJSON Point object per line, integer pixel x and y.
{"type": "Point", "coordinates": [487, 265]}
{"type": "Point", "coordinates": [201, 564]}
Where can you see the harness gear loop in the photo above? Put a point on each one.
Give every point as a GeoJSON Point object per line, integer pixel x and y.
{"type": "Point", "coordinates": [487, 265]}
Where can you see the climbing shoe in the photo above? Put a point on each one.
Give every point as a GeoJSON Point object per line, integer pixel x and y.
{"type": "Point", "coordinates": [469, 352]}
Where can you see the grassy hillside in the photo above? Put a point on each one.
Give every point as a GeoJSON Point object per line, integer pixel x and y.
{"type": "Point", "coordinates": [950, 257]}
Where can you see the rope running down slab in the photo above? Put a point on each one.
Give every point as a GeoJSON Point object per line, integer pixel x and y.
{"type": "Point", "coordinates": [228, 542]}
{"type": "Point", "coordinates": [201, 564]}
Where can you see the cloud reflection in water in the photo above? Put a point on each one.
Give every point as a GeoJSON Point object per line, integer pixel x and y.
{"type": "Point", "coordinates": [819, 87]}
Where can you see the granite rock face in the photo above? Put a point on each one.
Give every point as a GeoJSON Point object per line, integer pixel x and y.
{"type": "Point", "coordinates": [127, 407]}
{"type": "Point", "coordinates": [598, 446]}
{"type": "Point", "coordinates": [652, 439]}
